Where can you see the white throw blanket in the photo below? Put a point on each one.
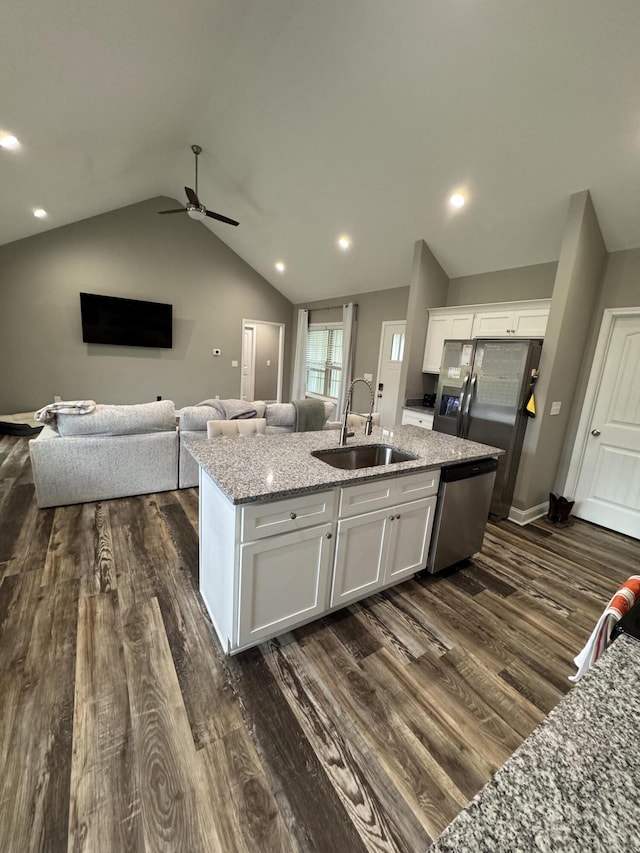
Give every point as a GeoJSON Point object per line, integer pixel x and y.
{"type": "Point", "coordinates": [620, 604]}
{"type": "Point", "coordinates": [65, 407]}
{"type": "Point", "coordinates": [231, 410]}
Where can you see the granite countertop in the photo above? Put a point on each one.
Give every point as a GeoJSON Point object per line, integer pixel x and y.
{"type": "Point", "coordinates": [573, 784]}
{"type": "Point", "coordinates": [263, 467]}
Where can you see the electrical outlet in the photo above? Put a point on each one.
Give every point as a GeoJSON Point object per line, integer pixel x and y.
{"type": "Point", "coordinates": [234, 363]}
{"type": "Point", "coordinates": [216, 351]}
{"type": "Point", "coordinates": [268, 362]}
{"type": "Point", "coordinates": [57, 399]}
{"type": "Point", "coordinates": [555, 408]}
{"type": "Point", "coordinates": [368, 377]}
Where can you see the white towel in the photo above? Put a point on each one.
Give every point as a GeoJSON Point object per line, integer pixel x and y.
{"type": "Point", "coordinates": [65, 407]}
{"type": "Point", "coordinates": [600, 637]}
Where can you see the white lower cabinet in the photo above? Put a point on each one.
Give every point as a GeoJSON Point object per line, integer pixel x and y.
{"type": "Point", "coordinates": [267, 567]}
{"type": "Point", "coordinates": [379, 548]}
{"type": "Point", "coordinates": [425, 421]}
{"type": "Point", "coordinates": [284, 580]}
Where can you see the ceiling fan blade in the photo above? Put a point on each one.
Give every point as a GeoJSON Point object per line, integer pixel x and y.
{"type": "Point", "coordinates": [177, 210]}
{"type": "Point", "coordinates": [221, 218]}
{"type": "Point", "coordinates": [193, 198]}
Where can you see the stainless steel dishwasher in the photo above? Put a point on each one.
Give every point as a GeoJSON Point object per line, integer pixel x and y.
{"type": "Point", "coordinates": [464, 499]}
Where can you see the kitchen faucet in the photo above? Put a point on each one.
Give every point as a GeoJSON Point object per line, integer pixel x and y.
{"type": "Point", "coordinates": [344, 431]}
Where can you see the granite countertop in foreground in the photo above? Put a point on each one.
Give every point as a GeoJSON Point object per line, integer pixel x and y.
{"type": "Point", "coordinates": [263, 467]}
{"type": "Point", "coordinates": [572, 787]}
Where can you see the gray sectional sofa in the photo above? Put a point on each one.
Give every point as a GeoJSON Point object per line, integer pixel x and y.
{"type": "Point", "coordinates": [112, 452]}
{"type": "Point", "coordinates": [117, 451]}
{"type": "Point", "coordinates": [280, 417]}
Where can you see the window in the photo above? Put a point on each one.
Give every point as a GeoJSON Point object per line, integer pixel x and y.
{"type": "Point", "coordinates": [324, 360]}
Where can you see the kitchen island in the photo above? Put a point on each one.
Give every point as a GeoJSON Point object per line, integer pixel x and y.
{"type": "Point", "coordinates": [286, 537]}
{"type": "Point", "coordinates": [573, 784]}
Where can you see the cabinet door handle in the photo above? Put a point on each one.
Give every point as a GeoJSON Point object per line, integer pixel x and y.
{"type": "Point", "coordinates": [329, 535]}
{"type": "Point", "coordinates": [391, 517]}
{"type": "Point", "coordinates": [292, 515]}
{"type": "Point", "coordinates": [398, 517]}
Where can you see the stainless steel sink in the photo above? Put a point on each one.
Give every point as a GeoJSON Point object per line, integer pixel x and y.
{"type": "Point", "coordinates": [366, 456]}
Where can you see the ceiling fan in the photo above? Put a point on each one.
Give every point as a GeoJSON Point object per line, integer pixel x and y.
{"type": "Point", "coordinates": [194, 206]}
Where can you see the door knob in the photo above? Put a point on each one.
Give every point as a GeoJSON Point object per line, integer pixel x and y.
{"type": "Point", "coordinates": [595, 432]}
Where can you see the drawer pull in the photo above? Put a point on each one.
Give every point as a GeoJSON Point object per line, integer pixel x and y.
{"type": "Point", "coordinates": [293, 515]}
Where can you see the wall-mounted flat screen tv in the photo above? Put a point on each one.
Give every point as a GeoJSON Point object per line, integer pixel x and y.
{"type": "Point", "coordinates": [125, 322]}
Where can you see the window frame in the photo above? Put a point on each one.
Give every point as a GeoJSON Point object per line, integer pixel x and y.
{"type": "Point", "coordinates": [327, 365]}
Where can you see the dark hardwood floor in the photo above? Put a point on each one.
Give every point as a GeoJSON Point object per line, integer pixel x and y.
{"type": "Point", "coordinates": [123, 727]}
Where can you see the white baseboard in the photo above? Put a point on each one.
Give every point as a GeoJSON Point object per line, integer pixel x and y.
{"type": "Point", "coordinates": [524, 516]}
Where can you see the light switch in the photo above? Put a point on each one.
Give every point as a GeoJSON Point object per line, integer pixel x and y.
{"type": "Point", "coordinates": [234, 363]}
{"type": "Point", "coordinates": [268, 362]}
{"type": "Point", "coordinates": [555, 408]}
{"type": "Point", "coordinates": [368, 377]}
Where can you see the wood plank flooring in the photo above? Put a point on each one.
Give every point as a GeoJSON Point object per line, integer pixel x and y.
{"type": "Point", "coordinates": [123, 727]}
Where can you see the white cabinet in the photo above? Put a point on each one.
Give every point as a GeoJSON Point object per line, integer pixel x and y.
{"type": "Point", "coordinates": [383, 533]}
{"type": "Point", "coordinates": [284, 580]}
{"type": "Point", "coordinates": [518, 323]}
{"type": "Point", "coordinates": [360, 554]}
{"type": "Point", "coordinates": [440, 328]}
{"type": "Point", "coordinates": [269, 566]}
{"type": "Point", "coordinates": [417, 419]}
{"type": "Point", "coordinates": [527, 319]}
{"type": "Point", "coordinates": [380, 548]}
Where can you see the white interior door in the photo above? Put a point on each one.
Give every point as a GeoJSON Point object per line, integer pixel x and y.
{"type": "Point", "coordinates": [608, 484]}
{"type": "Point", "coordinates": [389, 367]}
{"type": "Point", "coordinates": [248, 362]}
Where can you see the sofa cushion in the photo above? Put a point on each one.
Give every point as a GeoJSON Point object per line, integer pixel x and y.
{"type": "Point", "coordinates": [159, 416]}
{"type": "Point", "coordinates": [196, 417]}
{"type": "Point", "coordinates": [284, 414]}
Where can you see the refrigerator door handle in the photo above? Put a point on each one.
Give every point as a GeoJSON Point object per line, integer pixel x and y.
{"type": "Point", "coordinates": [472, 389]}
{"type": "Point", "coordinates": [461, 404]}
{"type": "Point", "coordinates": [467, 405]}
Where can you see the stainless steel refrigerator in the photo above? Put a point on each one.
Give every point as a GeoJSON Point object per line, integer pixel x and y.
{"type": "Point", "coordinates": [483, 389]}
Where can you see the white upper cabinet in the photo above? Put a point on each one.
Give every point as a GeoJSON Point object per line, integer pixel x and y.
{"type": "Point", "coordinates": [516, 323]}
{"type": "Point", "coordinates": [497, 320]}
{"type": "Point", "coordinates": [441, 328]}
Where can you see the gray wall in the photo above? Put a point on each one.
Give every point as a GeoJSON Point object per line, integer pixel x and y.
{"type": "Point", "coordinates": [373, 308]}
{"type": "Point", "coordinates": [130, 252]}
{"type": "Point", "coordinates": [428, 289]}
{"type": "Point", "coordinates": [533, 282]}
{"type": "Point", "coordinates": [578, 282]}
{"type": "Point", "coordinates": [266, 375]}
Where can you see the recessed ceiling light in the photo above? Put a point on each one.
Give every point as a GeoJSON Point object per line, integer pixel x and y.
{"type": "Point", "coordinates": [280, 266]}
{"type": "Point", "coordinates": [9, 141]}
{"type": "Point", "coordinates": [39, 213]}
{"type": "Point", "coordinates": [457, 200]}
{"type": "Point", "coordinates": [344, 241]}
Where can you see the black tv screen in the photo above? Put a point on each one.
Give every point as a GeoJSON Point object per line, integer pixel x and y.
{"type": "Point", "coordinates": [125, 322]}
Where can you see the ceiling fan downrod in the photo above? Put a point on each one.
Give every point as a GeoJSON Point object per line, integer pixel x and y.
{"type": "Point", "coordinates": [197, 149]}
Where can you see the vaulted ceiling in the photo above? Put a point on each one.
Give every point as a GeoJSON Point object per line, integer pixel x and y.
{"type": "Point", "coordinates": [322, 118]}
